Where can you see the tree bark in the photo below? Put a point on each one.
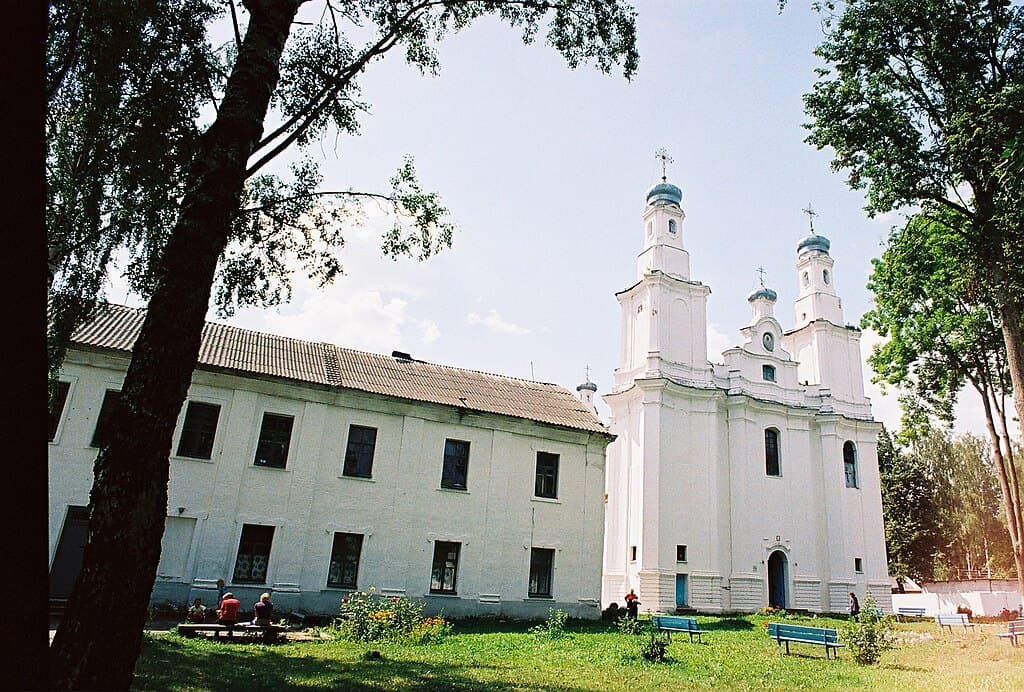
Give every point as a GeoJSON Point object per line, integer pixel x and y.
{"type": "Point", "coordinates": [100, 637]}
{"type": "Point", "coordinates": [1009, 314]}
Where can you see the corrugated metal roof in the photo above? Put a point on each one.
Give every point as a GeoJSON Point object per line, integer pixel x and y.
{"type": "Point", "coordinates": [248, 352]}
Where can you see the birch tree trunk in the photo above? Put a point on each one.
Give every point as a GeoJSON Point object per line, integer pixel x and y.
{"type": "Point", "coordinates": [100, 637]}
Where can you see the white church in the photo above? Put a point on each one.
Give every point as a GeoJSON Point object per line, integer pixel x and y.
{"type": "Point", "coordinates": [752, 482]}
{"type": "Point", "coordinates": [310, 470]}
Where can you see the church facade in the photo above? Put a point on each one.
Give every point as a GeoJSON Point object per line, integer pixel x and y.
{"type": "Point", "coordinates": [752, 482]}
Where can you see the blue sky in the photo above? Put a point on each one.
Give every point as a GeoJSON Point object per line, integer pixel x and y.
{"type": "Point", "coordinates": [544, 170]}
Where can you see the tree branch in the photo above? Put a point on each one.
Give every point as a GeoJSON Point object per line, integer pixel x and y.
{"type": "Point", "coordinates": [234, 24]}
{"type": "Point", "coordinates": [324, 193]}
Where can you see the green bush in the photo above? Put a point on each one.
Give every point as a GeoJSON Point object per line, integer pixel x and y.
{"type": "Point", "coordinates": [628, 625]}
{"type": "Point", "coordinates": [554, 626]}
{"type": "Point", "coordinates": [868, 635]}
{"type": "Point", "coordinates": [367, 617]}
{"type": "Point", "coordinates": [655, 647]}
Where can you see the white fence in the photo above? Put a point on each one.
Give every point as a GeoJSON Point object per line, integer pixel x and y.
{"type": "Point", "coordinates": [987, 603]}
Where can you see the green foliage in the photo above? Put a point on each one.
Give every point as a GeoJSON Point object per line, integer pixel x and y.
{"type": "Point", "coordinates": [633, 626]}
{"type": "Point", "coordinates": [655, 647]}
{"type": "Point", "coordinates": [867, 635]}
{"type": "Point", "coordinates": [908, 510]}
{"type": "Point", "coordinates": [554, 626]}
{"type": "Point", "coordinates": [367, 617]}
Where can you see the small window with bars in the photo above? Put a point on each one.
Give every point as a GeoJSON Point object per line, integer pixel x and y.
{"type": "Point", "coordinates": [253, 554]}
{"type": "Point", "coordinates": [542, 561]}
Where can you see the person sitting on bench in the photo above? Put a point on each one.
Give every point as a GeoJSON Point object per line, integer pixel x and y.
{"type": "Point", "coordinates": [197, 613]}
{"type": "Point", "coordinates": [263, 610]}
{"type": "Point", "coordinates": [227, 614]}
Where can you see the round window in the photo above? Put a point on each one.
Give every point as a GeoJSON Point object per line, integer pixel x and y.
{"type": "Point", "coordinates": [769, 341]}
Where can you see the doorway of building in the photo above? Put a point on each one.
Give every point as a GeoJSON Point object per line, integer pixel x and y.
{"type": "Point", "coordinates": [67, 561]}
{"type": "Point", "coordinates": [777, 579]}
{"type": "Point", "coordinates": [681, 599]}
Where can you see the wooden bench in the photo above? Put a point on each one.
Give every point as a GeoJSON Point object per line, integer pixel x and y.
{"type": "Point", "coordinates": [953, 619]}
{"type": "Point", "coordinates": [822, 636]}
{"type": "Point", "coordinates": [674, 623]}
{"type": "Point", "coordinates": [268, 633]}
{"type": "Point", "coordinates": [909, 612]}
{"type": "Point", "coordinates": [1014, 629]}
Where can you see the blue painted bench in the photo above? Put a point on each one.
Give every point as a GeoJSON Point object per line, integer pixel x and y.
{"type": "Point", "coordinates": [674, 623]}
{"type": "Point", "coordinates": [951, 620]}
{"type": "Point", "coordinates": [1013, 630]}
{"type": "Point", "coordinates": [910, 612]}
{"type": "Point", "coordinates": [800, 634]}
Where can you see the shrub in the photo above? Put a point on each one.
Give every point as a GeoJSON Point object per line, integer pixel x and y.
{"type": "Point", "coordinates": [1008, 615]}
{"type": "Point", "coordinates": [612, 612]}
{"type": "Point", "coordinates": [868, 635]}
{"type": "Point", "coordinates": [965, 611]}
{"type": "Point", "coordinates": [430, 630]}
{"type": "Point", "coordinates": [366, 617]}
{"type": "Point", "coordinates": [554, 626]}
{"type": "Point", "coordinates": [655, 647]}
{"type": "Point", "coordinates": [772, 610]}
{"type": "Point", "coordinates": [628, 625]}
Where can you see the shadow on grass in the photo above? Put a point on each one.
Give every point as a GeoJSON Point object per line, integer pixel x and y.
{"type": "Point", "coordinates": [728, 625]}
{"type": "Point", "coordinates": [170, 663]}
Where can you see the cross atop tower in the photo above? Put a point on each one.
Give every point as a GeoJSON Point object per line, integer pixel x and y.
{"type": "Point", "coordinates": [760, 274]}
{"type": "Point", "coordinates": [662, 155]}
{"type": "Point", "coordinates": [810, 216]}
{"type": "Point", "coordinates": [586, 370]}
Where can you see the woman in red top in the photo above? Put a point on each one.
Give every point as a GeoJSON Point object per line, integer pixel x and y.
{"type": "Point", "coordinates": [227, 614]}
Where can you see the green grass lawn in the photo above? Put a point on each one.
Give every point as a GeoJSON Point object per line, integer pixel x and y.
{"type": "Point", "coordinates": [736, 653]}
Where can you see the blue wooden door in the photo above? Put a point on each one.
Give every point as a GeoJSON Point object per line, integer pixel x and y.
{"type": "Point", "coordinates": [777, 579]}
{"type": "Point", "coordinates": [680, 590]}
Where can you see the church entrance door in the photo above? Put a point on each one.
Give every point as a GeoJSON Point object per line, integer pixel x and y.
{"type": "Point", "coordinates": [777, 579]}
{"type": "Point", "coordinates": [67, 562]}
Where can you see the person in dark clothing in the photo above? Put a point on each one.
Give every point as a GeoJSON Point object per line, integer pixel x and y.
{"type": "Point", "coordinates": [854, 605]}
{"type": "Point", "coordinates": [263, 610]}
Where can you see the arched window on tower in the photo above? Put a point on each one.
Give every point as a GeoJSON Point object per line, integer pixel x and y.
{"type": "Point", "coordinates": [771, 452]}
{"type": "Point", "coordinates": [825, 276]}
{"type": "Point", "coordinates": [850, 464]}
{"type": "Point", "coordinates": [650, 228]}
{"type": "Point", "coordinates": [671, 226]}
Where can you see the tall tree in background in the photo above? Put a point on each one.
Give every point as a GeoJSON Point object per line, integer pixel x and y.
{"type": "Point", "coordinates": [908, 509]}
{"type": "Point", "coordinates": [932, 303]}
{"type": "Point", "coordinates": [967, 504]}
{"type": "Point", "coordinates": [236, 229]}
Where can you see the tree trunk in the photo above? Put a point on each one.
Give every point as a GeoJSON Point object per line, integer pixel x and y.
{"type": "Point", "coordinates": [100, 637]}
{"type": "Point", "coordinates": [1009, 313]}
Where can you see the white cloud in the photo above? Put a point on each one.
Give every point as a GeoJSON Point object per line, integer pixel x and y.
{"type": "Point", "coordinates": [718, 341]}
{"type": "Point", "coordinates": [494, 321]}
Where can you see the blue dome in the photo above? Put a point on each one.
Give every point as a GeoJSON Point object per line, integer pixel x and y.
{"type": "Point", "coordinates": [587, 385]}
{"type": "Point", "coordinates": [763, 292]}
{"type": "Point", "coordinates": [665, 191]}
{"type": "Point", "coordinates": [813, 242]}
